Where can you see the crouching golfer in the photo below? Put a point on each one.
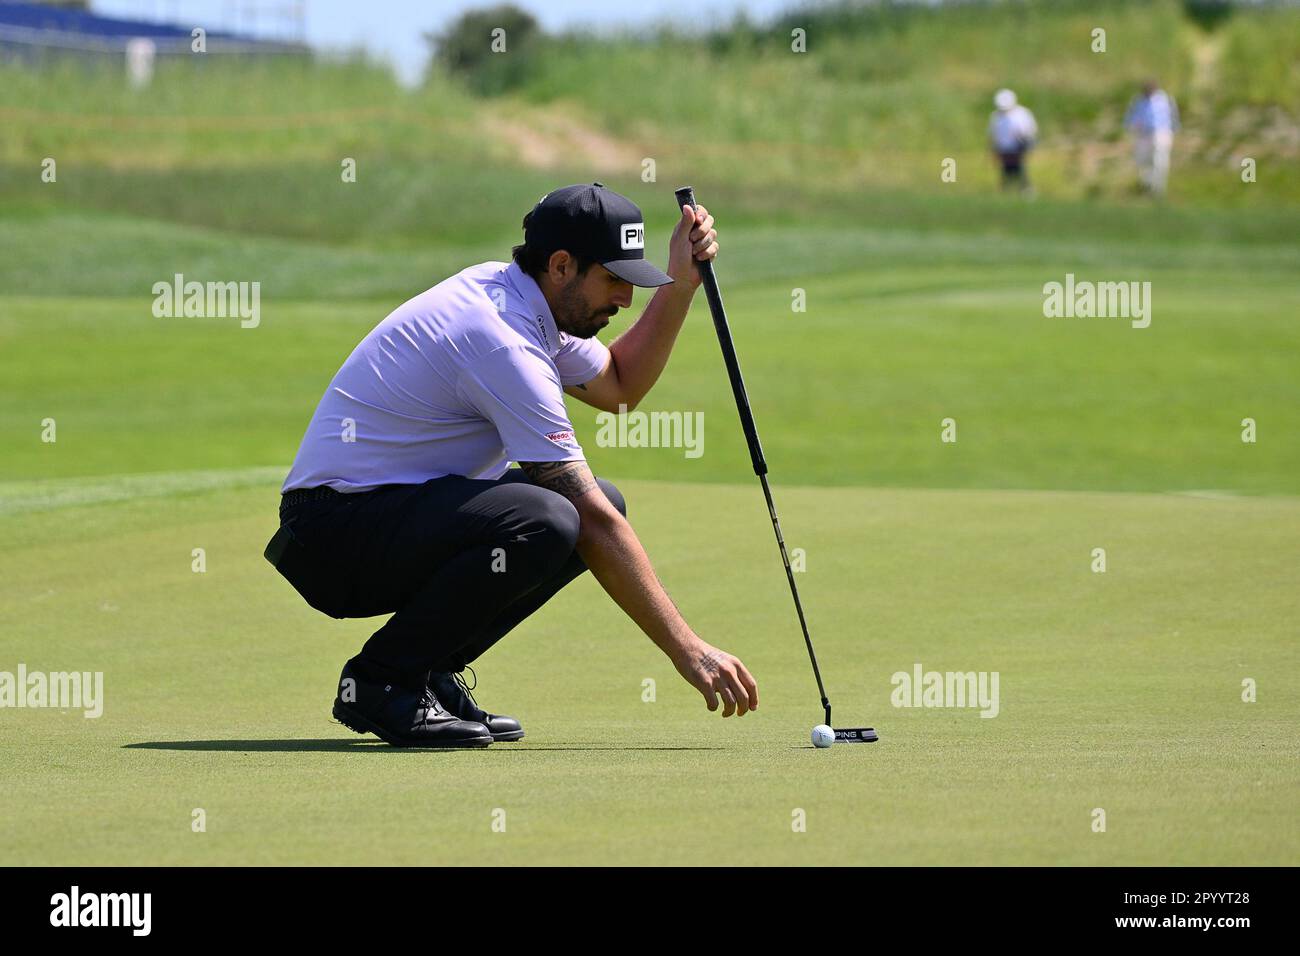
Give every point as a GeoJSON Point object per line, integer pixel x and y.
{"type": "Point", "coordinates": [400, 500]}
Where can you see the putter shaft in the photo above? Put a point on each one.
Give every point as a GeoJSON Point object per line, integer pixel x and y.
{"type": "Point", "coordinates": [686, 196]}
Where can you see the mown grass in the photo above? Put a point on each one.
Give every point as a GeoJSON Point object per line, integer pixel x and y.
{"type": "Point", "coordinates": [901, 330]}
{"type": "Point", "coordinates": [1119, 690]}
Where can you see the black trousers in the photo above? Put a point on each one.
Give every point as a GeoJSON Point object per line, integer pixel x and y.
{"type": "Point", "coordinates": [457, 561]}
{"type": "Point", "coordinates": [1013, 169]}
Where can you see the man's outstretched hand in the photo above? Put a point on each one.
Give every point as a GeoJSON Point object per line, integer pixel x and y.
{"type": "Point", "coordinates": [717, 674]}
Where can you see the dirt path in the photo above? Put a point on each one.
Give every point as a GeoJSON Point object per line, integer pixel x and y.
{"type": "Point", "coordinates": [546, 138]}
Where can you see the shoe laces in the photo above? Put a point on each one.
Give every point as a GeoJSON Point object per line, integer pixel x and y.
{"type": "Point", "coordinates": [430, 701]}
{"type": "Point", "coordinates": [467, 688]}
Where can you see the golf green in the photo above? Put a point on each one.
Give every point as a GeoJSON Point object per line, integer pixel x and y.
{"type": "Point", "coordinates": [1119, 691]}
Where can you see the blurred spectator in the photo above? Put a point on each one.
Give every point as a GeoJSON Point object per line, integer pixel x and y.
{"type": "Point", "coordinates": [1153, 119]}
{"type": "Point", "coordinates": [1012, 132]}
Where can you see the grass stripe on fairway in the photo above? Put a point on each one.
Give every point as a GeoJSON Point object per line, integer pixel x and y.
{"type": "Point", "coordinates": [851, 391]}
{"type": "Point", "coordinates": [18, 497]}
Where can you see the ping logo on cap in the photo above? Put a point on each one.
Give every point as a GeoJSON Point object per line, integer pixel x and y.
{"type": "Point", "coordinates": [631, 235]}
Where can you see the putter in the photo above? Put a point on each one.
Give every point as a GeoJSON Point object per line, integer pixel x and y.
{"type": "Point", "coordinates": [686, 197]}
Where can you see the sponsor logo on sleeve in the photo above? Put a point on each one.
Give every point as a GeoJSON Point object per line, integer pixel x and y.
{"type": "Point", "coordinates": [564, 439]}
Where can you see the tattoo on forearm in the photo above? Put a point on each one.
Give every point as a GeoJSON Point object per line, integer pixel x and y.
{"type": "Point", "coordinates": [569, 478]}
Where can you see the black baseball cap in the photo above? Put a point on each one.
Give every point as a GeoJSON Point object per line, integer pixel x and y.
{"type": "Point", "coordinates": [598, 223]}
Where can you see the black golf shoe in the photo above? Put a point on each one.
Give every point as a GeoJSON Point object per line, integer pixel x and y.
{"type": "Point", "coordinates": [401, 716]}
{"type": "Point", "coordinates": [456, 697]}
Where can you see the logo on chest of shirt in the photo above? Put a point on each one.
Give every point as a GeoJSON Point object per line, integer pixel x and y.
{"type": "Point", "coordinates": [632, 235]}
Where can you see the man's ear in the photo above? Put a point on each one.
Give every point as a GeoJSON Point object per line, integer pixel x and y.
{"type": "Point", "coordinates": [560, 267]}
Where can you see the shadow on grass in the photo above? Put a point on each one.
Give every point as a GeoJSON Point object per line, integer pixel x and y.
{"type": "Point", "coordinates": [362, 746]}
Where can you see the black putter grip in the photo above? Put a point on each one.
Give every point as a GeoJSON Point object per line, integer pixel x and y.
{"type": "Point", "coordinates": [686, 197]}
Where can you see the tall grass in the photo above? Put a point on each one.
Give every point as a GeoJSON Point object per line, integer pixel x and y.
{"type": "Point", "coordinates": [1261, 60]}
{"type": "Point", "coordinates": [225, 111]}
{"type": "Point", "coordinates": [883, 94]}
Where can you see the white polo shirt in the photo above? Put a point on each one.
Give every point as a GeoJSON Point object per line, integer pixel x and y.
{"type": "Point", "coordinates": [1013, 130]}
{"type": "Point", "coordinates": [460, 380]}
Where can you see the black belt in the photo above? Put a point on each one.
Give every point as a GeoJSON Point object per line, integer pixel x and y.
{"type": "Point", "coordinates": [304, 495]}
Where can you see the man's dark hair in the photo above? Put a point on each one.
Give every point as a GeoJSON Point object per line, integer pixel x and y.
{"type": "Point", "coordinates": [535, 261]}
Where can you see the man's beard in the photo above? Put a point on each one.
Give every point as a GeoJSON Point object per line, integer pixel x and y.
{"type": "Point", "coordinates": [575, 315]}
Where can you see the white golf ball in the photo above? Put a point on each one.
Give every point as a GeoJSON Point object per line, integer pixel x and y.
{"type": "Point", "coordinates": [822, 736]}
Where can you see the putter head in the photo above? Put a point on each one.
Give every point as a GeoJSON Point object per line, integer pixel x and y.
{"type": "Point", "coordinates": [855, 735]}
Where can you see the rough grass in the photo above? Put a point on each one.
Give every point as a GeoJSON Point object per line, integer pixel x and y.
{"type": "Point", "coordinates": [881, 96]}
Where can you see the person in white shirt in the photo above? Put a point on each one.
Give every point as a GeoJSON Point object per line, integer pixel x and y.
{"type": "Point", "coordinates": [1012, 133]}
{"type": "Point", "coordinates": [1152, 118]}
